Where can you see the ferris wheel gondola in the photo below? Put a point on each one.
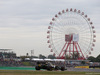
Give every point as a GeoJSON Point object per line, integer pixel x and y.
{"type": "Point", "coordinates": [71, 31]}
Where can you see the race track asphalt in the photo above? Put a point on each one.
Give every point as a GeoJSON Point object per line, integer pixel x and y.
{"type": "Point", "coordinates": [68, 69]}
{"type": "Point", "coordinates": [83, 69]}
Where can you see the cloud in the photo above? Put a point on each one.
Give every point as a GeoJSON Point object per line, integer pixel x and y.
{"type": "Point", "coordinates": [23, 23]}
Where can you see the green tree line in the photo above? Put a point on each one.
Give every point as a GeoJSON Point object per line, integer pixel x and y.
{"type": "Point", "coordinates": [94, 59]}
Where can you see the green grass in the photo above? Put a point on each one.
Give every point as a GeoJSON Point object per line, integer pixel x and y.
{"type": "Point", "coordinates": [17, 68]}
{"type": "Point", "coordinates": [30, 72]}
{"type": "Point", "coordinates": [26, 63]}
{"type": "Point", "coordinates": [39, 72]}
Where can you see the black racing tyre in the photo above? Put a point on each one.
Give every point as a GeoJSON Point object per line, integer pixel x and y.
{"type": "Point", "coordinates": [62, 68]}
{"type": "Point", "coordinates": [49, 68]}
{"type": "Point", "coordinates": [37, 68]}
{"type": "Point", "coordinates": [56, 68]}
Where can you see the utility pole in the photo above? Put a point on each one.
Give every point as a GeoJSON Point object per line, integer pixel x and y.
{"type": "Point", "coordinates": [32, 53]}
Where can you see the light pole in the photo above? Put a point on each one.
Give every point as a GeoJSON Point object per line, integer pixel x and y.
{"type": "Point", "coordinates": [32, 53]}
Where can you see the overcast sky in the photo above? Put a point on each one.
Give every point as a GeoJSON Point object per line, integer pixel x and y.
{"type": "Point", "coordinates": [24, 23]}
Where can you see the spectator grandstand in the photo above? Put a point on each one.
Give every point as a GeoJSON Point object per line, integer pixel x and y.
{"type": "Point", "coordinates": [9, 58]}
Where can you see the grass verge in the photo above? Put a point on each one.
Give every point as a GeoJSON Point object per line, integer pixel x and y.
{"type": "Point", "coordinates": [27, 72]}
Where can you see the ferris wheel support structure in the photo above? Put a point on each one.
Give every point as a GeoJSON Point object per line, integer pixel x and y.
{"type": "Point", "coordinates": [71, 33]}
{"type": "Point", "coordinates": [68, 45]}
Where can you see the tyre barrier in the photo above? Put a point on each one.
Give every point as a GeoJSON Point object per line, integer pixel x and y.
{"type": "Point", "coordinates": [81, 66]}
{"type": "Point", "coordinates": [94, 67]}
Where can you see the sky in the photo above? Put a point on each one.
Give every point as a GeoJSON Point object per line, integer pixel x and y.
{"type": "Point", "coordinates": [24, 23]}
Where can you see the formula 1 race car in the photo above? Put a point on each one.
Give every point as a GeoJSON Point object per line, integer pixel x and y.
{"type": "Point", "coordinates": [48, 66]}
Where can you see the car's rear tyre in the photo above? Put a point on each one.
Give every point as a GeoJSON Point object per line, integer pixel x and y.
{"type": "Point", "coordinates": [56, 68]}
{"type": "Point", "coordinates": [49, 68]}
{"type": "Point", "coordinates": [62, 68]}
{"type": "Point", "coordinates": [37, 68]}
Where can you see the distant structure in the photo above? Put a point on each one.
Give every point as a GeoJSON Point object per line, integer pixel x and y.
{"type": "Point", "coordinates": [7, 53]}
{"type": "Point", "coordinates": [3, 50]}
{"type": "Point", "coordinates": [9, 58]}
{"type": "Point", "coordinates": [71, 34]}
{"type": "Point", "coordinates": [32, 53]}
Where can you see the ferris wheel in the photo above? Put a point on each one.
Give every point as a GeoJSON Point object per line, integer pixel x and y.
{"type": "Point", "coordinates": [70, 32]}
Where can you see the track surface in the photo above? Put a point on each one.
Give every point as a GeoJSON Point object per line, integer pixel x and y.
{"type": "Point", "coordinates": [83, 70]}
{"type": "Point", "coordinates": [68, 69]}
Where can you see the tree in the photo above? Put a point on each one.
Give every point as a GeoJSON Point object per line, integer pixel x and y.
{"type": "Point", "coordinates": [51, 57]}
{"type": "Point", "coordinates": [75, 55]}
{"type": "Point", "coordinates": [23, 57]}
{"type": "Point", "coordinates": [68, 57]}
{"type": "Point", "coordinates": [98, 58]}
{"type": "Point", "coordinates": [42, 56]}
{"type": "Point", "coordinates": [83, 62]}
{"type": "Point", "coordinates": [92, 59]}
